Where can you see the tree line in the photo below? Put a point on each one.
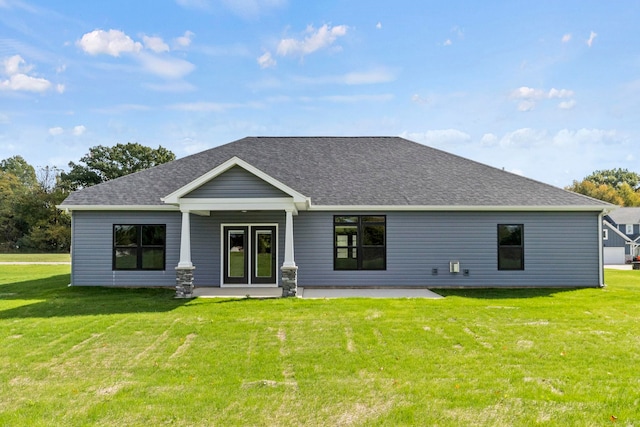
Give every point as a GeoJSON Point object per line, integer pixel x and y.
{"type": "Point", "coordinates": [617, 186]}
{"type": "Point", "coordinates": [31, 222]}
{"type": "Point", "coordinates": [29, 218]}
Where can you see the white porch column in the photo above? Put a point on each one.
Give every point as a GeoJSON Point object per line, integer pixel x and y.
{"type": "Point", "coordinates": [289, 268]}
{"type": "Point", "coordinates": [185, 242]}
{"type": "Point", "coordinates": [288, 241]}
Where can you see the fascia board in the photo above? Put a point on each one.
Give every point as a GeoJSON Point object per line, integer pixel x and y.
{"type": "Point", "coordinates": [174, 198]}
{"type": "Point", "coordinates": [281, 203]}
{"type": "Point", "coordinates": [457, 208]}
{"type": "Point", "coordinates": [164, 208]}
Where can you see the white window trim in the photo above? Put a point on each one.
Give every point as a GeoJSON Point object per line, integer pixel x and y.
{"type": "Point", "coordinates": [628, 229]}
{"type": "Point", "coordinates": [605, 234]}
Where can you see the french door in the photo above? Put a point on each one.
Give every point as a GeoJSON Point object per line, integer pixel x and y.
{"type": "Point", "coordinates": [249, 255]}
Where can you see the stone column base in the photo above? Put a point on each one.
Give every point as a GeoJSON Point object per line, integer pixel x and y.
{"type": "Point", "coordinates": [289, 281]}
{"type": "Point", "coordinates": [184, 282]}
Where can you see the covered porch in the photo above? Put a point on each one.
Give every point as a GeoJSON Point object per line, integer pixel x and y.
{"type": "Point", "coordinates": [236, 187]}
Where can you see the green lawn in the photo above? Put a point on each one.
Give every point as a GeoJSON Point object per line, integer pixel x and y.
{"type": "Point", "coordinates": [83, 356]}
{"type": "Point", "coordinates": [35, 257]}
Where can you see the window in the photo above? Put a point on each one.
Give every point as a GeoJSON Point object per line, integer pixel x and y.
{"type": "Point", "coordinates": [629, 229]}
{"type": "Point", "coordinates": [139, 247]}
{"type": "Point", "coordinates": [605, 234]}
{"type": "Point", "coordinates": [510, 247]}
{"type": "Point", "coordinates": [359, 242]}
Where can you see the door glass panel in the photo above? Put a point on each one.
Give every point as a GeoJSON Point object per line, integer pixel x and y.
{"type": "Point", "coordinates": [263, 253]}
{"type": "Point", "coordinates": [237, 243]}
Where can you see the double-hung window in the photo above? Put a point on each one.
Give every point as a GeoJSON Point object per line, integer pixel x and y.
{"type": "Point", "coordinates": [139, 247]}
{"type": "Point", "coordinates": [359, 242]}
{"type": "Point", "coordinates": [510, 247]}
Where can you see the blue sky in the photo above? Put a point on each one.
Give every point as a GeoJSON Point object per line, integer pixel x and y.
{"type": "Point", "coordinates": [545, 89]}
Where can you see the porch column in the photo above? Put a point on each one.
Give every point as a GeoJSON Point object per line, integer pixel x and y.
{"type": "Point", "coordinates": [184, 270]}
{"type": "Point", "coordinates": [185, 241]}
{"type": "Point", "coordinates": [289, 268]}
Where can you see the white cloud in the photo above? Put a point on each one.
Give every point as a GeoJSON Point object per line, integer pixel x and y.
{"type": "Point", "coordinates": [79, 130]}
{"type": "Point", "coordinates": [25, 83]}
{"type": "Point", "coordinates": [447, 42]}
{"type": "Point", "coordinates": [566, 38]}
{"type": "Point", "coordinates": [167, 67]}
{"type": "Point", "coordinates": [60, 88]}
{"type": "Point", "coordinates": [524, 137]}
{"type": "Point", "coordinates": [560, 93]}
{"type": "Point", "coordinates": [266, 60]}
{"type": "Point", "coordinates": [567, 105]}
{"type": "Point", "coordinates": [379, 25]}
{"type": "Point", "coordinates": [16, 69]}
{"type": "Point", "coordinates": [591, 38]}
{"type": "Point", "coordinates": [315, 40]}
{"type": "Point", "coordinates": [112, 42]}
{"type": "Point", "coordinates": [15, 65]}
{"type": "Point", "coordinates": [56, 131]}
{"type": "Point", "coordinates": [525, 92]}
{"type": "Point", "coordinates": [582, 137]}
{"type": "Point", "coordinates": [185, 40]}
{"type": "Point", "coordinates": [115, 42]}
{"type": "Point", "coordinates": [529, 97]}
{"type": "Point", "coordinates": [155, 44]}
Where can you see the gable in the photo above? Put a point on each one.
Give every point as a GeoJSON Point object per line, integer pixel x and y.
{"type": "Point", "coordinates": [236, 183]}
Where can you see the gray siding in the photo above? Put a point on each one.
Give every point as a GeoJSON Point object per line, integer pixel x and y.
{"type": "Point", "coordinates": [561, 249]}
{"type": "Point", "coordinates": [92, 246]}
{"type": "Point", "coordinates": [236, 183]}
{"type": "Point", "coordinates": [614, 240]}
{"type": "Point", "coordinates": [92, 249]}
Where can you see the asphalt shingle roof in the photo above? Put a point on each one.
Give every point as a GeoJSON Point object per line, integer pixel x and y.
{"type": "Point", "coordinates": [626, 216]}
{"type": "Point", "coordinates": [366, 171]}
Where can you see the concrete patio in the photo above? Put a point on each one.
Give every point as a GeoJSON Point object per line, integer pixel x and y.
{"type": "Point", "coordinates": [316, 293]}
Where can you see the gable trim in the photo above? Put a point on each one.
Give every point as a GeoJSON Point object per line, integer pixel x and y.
{"type": "Point", "coordinates": [177, 196]}
{"type": "Point", "coordinates": [618, 232]}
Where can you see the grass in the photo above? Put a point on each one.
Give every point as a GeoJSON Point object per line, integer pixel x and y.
{"type": "Point", "coordinates": [18, 257]}
{"type": "Point", "coordinates": [96, 356]}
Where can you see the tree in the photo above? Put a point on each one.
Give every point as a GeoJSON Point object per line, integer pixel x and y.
{"type": "Point", "coordinates": [615, 178]}
{"type": "Point", "coordinates": [102, 164]}
{"type": "Point", "coordinates": [11, 227]}
{"type": "Point", "coordinates": [630, 197]}
{"type": "Point", "coordinates": [618, 186]}
{"type": "Point", "coordinates": [602, 192]}
{"type": "Point", "coordinates": [23, 171]}
{"type": "Point", "coordinates": [29, 219]}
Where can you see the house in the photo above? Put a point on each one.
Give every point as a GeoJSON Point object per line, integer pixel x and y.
{"type": "Point", "coordinates": [332, 212]}
{"type": "Point", "coordinates": [621, 235]}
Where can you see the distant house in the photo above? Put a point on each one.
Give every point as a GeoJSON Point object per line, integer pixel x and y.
{"type": "Point", "coordinates": [621, 235]}
{"type": "Point", "coordinates": [332, 212]}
